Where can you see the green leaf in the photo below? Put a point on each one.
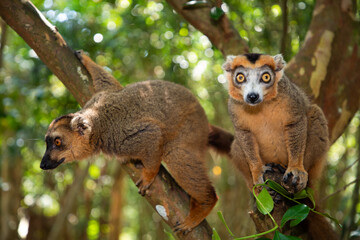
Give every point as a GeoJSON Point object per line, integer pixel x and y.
{"type": "Point", "coordinates": [215, 235]}
{"type": "Point", "coordinates": [279, 236]}
{"type": "Point", "coordinates": [193, 4]}
{"type": "Point", "coordinates": [310, 193]}
{"type": "Point", "coordinates": [296, 213]}
{"type": "Point", "coordinates": [169, 234]}
{"type": "Point", "coordinates": [223, 221]}
{"type": "Point", "coordinates": [301, 195]}
{"type": "Point", "coordinates": [277, 187]}
{"type": "Point", "coordinates": [264, 202]}
{"type": "Point", "coordinates": [216, 13]}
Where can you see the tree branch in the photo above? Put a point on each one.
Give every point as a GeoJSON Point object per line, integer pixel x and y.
{"type": "Point", "coordinates": [285, 26]}
{"type": "Point", "coordinates": [221, 33]}
{"type": "Point", "coordinates": [3, 27]}
{"type": "Point", "coordinates": [165, 195]}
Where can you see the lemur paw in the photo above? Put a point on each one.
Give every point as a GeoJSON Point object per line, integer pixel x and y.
{"type": "Point", "coordinates": [79, 54]}
{"type": "Point", "coordinates": [143, 186]}
{"type": "Point", "coordinates": [295, 180]}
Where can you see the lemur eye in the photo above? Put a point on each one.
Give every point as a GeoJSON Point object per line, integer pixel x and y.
{"type": "Point", "coordinates": [266, 77]}
{"type": "Point", "coordinates": [57, 142]}
{"type": "Point", "coordinates": [240, 78]}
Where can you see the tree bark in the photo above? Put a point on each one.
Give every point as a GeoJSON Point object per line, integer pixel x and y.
{"type": "Point", "coordinates": [165, 196]}
{"type": "Point", "coordinates": [221, 33]}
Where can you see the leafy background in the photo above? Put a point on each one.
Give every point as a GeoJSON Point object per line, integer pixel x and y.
{"type": "Point", "coordinates": [135, 41]}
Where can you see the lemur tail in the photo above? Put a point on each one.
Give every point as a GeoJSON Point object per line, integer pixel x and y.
{"type": "Point", "coordinates": [220, 140]}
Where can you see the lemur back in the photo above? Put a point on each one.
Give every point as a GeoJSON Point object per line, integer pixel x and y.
{"type": "Point", "coordinates": [152, 121]}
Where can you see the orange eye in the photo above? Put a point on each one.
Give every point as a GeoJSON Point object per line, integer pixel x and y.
{"type": "Point", "coordinates": [266, 77]}
{"type": "Point", "coordinates": [240, 78]}
{"type": "Point", "coordinates": [57, 142]}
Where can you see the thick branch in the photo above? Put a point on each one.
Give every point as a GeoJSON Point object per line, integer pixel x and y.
{"type": "Point", "coordinates": [327, 63]}
{"type": "Point", "coordinates": [164, 196]}
{"type": "Point", "coordinates": [221, 33]}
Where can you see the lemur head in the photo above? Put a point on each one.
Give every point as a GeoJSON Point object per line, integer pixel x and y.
{"type": "Point", "coordinates": [253, 78]}
{"type": "Point", "coordinates": [67, 139]}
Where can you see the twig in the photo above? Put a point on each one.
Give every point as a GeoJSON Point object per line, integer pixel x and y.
{"type": "Point", "coordinates": [340, 190]}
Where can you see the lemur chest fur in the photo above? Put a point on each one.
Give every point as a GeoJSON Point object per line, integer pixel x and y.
{"type": "Point", "coordinates": [267, 123]}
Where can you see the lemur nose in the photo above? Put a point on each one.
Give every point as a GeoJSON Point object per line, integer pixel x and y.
{"type": "Point", "coordinates": [252, 97]}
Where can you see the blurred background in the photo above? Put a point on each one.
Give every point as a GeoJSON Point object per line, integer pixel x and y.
{"type": "Point", "coordinates": [135, 41]}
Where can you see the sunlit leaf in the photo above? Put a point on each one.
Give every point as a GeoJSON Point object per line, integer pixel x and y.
{"type": "Point", "coordinates": [296, 213]}
{"type": "Point", "coordinates": [264, 202]}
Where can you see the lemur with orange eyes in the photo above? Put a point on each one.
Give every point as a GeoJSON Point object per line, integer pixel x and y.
{"type": "Point", "coordinates": [274, 122]}
{"type": "Point", "coordinates": [152, 121]}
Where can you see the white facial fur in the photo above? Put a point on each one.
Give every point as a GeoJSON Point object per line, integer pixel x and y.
{"type": "Point", "coordinates": [253, 87]}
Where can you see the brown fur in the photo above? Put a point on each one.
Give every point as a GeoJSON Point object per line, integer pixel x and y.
{"type": "Point", "coordinates": [152, 121]}
{"type": "Point", "coordinates": [243, 61]}
{"type": "Point", "coordinates": [284, 128]}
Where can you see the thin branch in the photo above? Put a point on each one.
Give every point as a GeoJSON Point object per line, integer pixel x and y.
{"type": "Point", "coordinates": [340, 190]}
{"type": "Point", "coordinates": [223, 36]}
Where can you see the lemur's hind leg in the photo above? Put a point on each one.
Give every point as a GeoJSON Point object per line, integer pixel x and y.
{"type": "Point", "coordinates": [191, 174]}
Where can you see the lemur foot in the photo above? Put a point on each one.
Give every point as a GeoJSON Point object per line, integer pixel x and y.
{"type": "Point", "coordinates": [295, 180]}
{"type": "Point", "coordinates": [79, 54]}
{"type": "Point", "coordinates": [143, 186]}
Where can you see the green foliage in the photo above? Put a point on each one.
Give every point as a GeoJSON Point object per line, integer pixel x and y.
{"type": "Point", "coordinates": [264, 202]}
{"type": "Point", "coordinates": [296, 214]}
{"type": "Point", "coordinates": [265, 205]}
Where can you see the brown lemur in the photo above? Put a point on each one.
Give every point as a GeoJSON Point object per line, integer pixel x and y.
{"type": "Point", "coordinates": [151, 121]}
{"type": "Point", "coordinates": [274, 122]}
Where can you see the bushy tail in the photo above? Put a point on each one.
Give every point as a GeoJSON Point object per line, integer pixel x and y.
{"type": "Point", "coordinates": [220, 140]}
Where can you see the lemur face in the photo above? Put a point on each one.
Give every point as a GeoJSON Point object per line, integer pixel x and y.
{"type": "Point", "coordinates": [253, 78]}
{"type": "Point", "coordinates": [65, 143]}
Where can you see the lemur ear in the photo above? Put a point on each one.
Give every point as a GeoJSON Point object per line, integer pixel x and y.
{"type": "Point", "coordinates": [279, 62]}
{"type": "Point", "coordinates": [81, 125]}
{"type": "Point", "coordinates": [227, 65]}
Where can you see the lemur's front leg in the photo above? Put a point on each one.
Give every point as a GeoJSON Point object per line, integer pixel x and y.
{"type": "Point", "coordinates": [250, 148]}
{"type": "Point", "coordinates": [295, 178]}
